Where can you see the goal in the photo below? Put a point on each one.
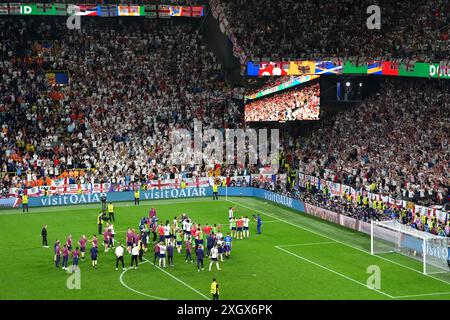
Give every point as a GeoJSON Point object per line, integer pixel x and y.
{"type": "Point", "coordinates": [394, 237]}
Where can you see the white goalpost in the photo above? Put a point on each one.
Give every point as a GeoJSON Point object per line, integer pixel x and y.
{"type": "Point", "coordinates": [394, 237]}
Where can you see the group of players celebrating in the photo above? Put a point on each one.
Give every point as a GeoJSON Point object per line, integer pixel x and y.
{"type": "Point", "coordinates": [203, 241]}
{"type": "Point", "coordinates": [182, 233]}
{"type": "Point", "coordinates": [66, 250]}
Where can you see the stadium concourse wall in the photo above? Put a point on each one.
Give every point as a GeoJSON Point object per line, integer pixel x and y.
{"type": "Point", "coordinates": [285, 201]}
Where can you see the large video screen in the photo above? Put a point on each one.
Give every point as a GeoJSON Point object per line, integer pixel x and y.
{"type": "Point", "coordinates": [295, 104]}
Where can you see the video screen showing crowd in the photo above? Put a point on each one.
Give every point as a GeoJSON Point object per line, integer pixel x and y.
{"type": "Point", "coordinates": [301, 102]}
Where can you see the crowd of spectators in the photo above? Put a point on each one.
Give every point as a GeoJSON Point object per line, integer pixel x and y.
{"type": "Point", "coordinates": [342, 206]}
{"type": "Point", "coordinates": [316, 29]}
{"type": "Point", "coordinates": [269, 82]}
{"type": "Point", "coordinates": [396, 142]}
{"type": "Point", "coordinates": [349, 206]}
{"type": "Point", "coordinates": [132, 83]}
{"type": "Point", "coordinates": [369, 212]}
{"type": "Point", "coordinates": [296, 104]}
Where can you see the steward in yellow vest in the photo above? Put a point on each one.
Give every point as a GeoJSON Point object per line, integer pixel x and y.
{"type": "Point", "coordinates": [215, 193]}
{"type": "Point", "coordinates": [136, 197]}
{"type": "Point", "coordinates": [308, 185]}
{"type": "Point", "coordinates": [24, 202]}
{"type": "Point", "coordinates": [111, 212]}
{"type": "Point", "coordinates": [366, 201]}
{"type": "Point", "coordinates": [215, 289]}
{"type": "Point", "coordinates": [293, 176]}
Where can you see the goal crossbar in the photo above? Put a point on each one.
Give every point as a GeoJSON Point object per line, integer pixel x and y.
{"type": "Point", "coordinates": [393, 237]}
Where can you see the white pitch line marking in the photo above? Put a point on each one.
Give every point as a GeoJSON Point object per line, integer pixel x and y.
{"type": "Point", "coordinates": [306, 244]}
{"type": "Point", "coordinates": [335, 272]}
{"type": "Point", "coordinates": [272, 221]}
{"type": "Point", "coordinates": [136, 291]}
{"type": "Point", "coordinates": [343, 243]}
{"type": "Point", "coordinates": [181, 281]}
{"type": "Point", "coordinates": [422, 295]}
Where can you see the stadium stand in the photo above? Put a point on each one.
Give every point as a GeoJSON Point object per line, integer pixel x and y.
{"type": "Point", "coordinates": [133, 82]}
{"type": "Point", "coordinates": [397, 139]}
{"type": "Point", "coordinates": [358, 194]}
{"type": "Point", "coordinates": [106, 118]}
{"type": "Point", "coordinates": [312, 29]}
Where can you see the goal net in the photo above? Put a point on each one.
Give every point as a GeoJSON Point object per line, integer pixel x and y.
{"type": "Point", "coordinates": [392, 236]}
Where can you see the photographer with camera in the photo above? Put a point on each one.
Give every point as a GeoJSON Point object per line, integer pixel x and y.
{"type": "Point", "coordinates": [103, 200]}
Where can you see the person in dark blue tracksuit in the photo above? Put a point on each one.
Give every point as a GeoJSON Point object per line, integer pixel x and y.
{"type": "Point", "coordinates": [200, 255]}
{"type": "Point", "coordinates": [57, 253]}
{"type": "Point", "coordinates": [258, 223]}
{"type": "Point", "coordinates": [209, 243]}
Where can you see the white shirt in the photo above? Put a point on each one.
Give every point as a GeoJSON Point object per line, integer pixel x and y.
{"type": "Point", "coordinates": [166, 230]}
{"type": "Point", "coordinates": [135, 251]}
{"type": "Point", "coordinates": [162, 249]}
{"type": "Point", "coordinates": [214, 252]}
{"type": "Point", "coordinates": [119, 252]}
{"type": "Point", "coordinates": [230, 213]}
{"type": "Point", "coordinates": [246, 221]}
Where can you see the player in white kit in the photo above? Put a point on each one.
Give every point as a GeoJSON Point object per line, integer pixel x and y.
{"type": "Point", "coordinates": [246, 222]}
{"type": "Point", "coordinates": [214, 258]}
{"type": "Point", "coordinates": [230, 214]}
{"type": "Point", "coordinates": [162, 254]}
{"type": "Point", "coordinates": [166, 233]}
{"type": "Point", "coordinates": [187, 235]}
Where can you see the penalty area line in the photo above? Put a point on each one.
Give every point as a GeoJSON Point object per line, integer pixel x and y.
{"type": "Point", "coordinates": [136, 291]}
{"type": "Point", "coordinates": [306, 244]}
{"type": "Point", "coordinates": [337, 241]}
{"type": "Point", "coordinates": [335, 272]}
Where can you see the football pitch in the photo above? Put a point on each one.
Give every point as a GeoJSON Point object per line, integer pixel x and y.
{"type": "Point", "coordinates": [296, 257]}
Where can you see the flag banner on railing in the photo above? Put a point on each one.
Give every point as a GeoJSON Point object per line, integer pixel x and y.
{"type": "Point", "coordinates": [33, 192]}
{"type": "Point", "coordinates": [436, 70]}
{"type": "Point", "coordinates": [72, 189]}
{"type": "Point", "coordinates": [61, 186]}
{"type": "Point", "coordinates": [346, 189]}
{"type": "Point", "coordinates": [102, 10]}
{"type": "Point", "coordinates": [337, 189]}
{"type": "Point", "coordinates": [86, 188]}
{"type": "Point", "coordinates": [57, 183]}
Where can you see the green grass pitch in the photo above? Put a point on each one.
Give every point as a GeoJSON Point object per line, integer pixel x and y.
{"type": "Point", "coordinates": [296, 257]}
